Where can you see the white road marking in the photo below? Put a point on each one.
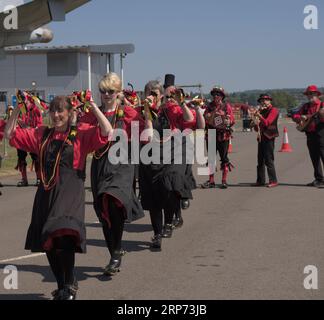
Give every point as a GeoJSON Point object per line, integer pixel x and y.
{"type": "Point", "coordinates": [35, 255]}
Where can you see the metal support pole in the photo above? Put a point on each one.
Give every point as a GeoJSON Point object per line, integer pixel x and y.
{"type": "Point", "coordinates": [122, 70]}
{"type": "Point", "coordinates": [108, 62]}
{"type": "Point", "coordinates": [89, 71]}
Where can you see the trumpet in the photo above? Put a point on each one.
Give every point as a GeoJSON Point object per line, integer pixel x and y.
{"type": "Point", "coordinates": [255, 121]}
{"type": "Point", "coordinates": [255, 116]}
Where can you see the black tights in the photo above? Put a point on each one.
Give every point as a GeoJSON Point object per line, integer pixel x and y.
{"type": "Point", "coordinates": [113, 235]}
{"type": "Point", "coordinates": [172, 208]}
{"type": "Point", "coordinates": [62, 259]}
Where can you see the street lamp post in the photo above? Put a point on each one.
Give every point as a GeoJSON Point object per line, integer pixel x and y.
{"type": "Point", "coordinates": [34, 87]}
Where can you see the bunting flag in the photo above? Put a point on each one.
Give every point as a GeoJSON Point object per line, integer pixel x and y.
{"type": "Point", "coordinates": [84, 98]}
{"type": "Point", "coordinates": [21, 98]}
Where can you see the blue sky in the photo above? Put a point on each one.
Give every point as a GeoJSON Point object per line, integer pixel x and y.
{"type": "Point", "coordinates": [250, 44]}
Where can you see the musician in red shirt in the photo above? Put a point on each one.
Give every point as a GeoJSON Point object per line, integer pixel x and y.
{"type": "Point", "coordinates": [220, 109]}
{"type": "Point", "coordinates": [31, 119]}
{"type": "Point", "coordinates": [57, 226]}
{"type": "Point", "coordinates": [163, 185]}
{"type": "Point", "coordinates": [2, 127]}
{"type": "Point", "coordinates": [267, 128]}
{"type": "Point", "coordinates": [313, 110]}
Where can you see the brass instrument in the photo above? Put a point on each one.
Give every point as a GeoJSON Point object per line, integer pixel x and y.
{"type": "Point", "coordinates": [255, 120]}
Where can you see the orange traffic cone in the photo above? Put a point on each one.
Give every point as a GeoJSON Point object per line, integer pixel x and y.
{"type": "Point", "coordinates": [285, 145]}
{"type": "Point", "coordinates": [230, 147]}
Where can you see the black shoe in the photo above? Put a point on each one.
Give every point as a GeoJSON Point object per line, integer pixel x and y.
{"type": "Point", "coordinates": [114, 266]}
{"type": "Point", "coordinates": [156, 241]}
{"type": "Point", "coordinates": [22, 183]}
{"type": "Point", "coordinates": [1, 185]}
{"type": "Point", "coordinates": [177, 223]}
{"type": "Point", "coordinates": [69, 293]}
{"type": "Point", "coordinates": [185, 204]}
{"type": "Point", "coordinates": [315, 183]}
{"type": "Point", "coordinates": [167, 231]}
{"type": "Point", "coordinates": [122, 252]}
{"type": "Point", "coordinates": [208, 185]}
{"type": "Point", "coordinates": [58, 294]}
{"type": "Point", "coordinates": [224, 185]}
{"type": "Point", "coordinates": [258, 184]}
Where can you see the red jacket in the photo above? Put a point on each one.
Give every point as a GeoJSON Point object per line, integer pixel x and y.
{"type": "Point", "coordinates": [2, 127]}
{"type": "Point", "coordinates": [32, 119]}
{"type": "Point", "coordinates": [269, 123]}
{"type": "Point", "coordinates": [226, 108]}
{"type": "Point", "coordinates": [308, 109]}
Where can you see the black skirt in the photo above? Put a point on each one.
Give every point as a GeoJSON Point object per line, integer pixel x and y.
{"type": "Point", "coordinates": [115, 180]}
{"type": "Point", "coordinates": [59, 212]}
{"type": "Point", "coordinates": [158, 181]}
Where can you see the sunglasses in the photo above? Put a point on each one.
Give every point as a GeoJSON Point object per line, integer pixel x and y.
{"type": "Point", "coordinates": [216, 94]}
{"type": "Point", "coordinates": [154, 94]}
{"type": "Point", "coordinates": [110, 92]}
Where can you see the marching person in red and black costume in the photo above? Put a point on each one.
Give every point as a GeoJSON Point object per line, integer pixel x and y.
{"type": "Point", "coordinates": [219, 116]}
{"type": "Point", "coordinates": [163, 185]}
{"type": "Point", "coordinates": [2, 127]}
{"type": "Point", "coordinates": [57, 226]}
{"type": "Point", "coordinates": [199, 123]}
{"type": "Point", "coordinates": [31, 118]}
{"type": "Point", "coordinates": [313, 113]}
{"type": "Point", "coordinates": [112, 181]}
{"type": "Point", "coordinates": [266, 124]}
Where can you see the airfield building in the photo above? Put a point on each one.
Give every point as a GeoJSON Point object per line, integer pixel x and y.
{"type": "Point", "coordinates": [51, 71]}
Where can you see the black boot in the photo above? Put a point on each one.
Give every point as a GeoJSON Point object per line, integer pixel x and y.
{"type": "Point", "coordinates": [208, 185]}
{"type": "Point", "coordinates": [167, 231]}
{"type": "Point", "coordinates": [177, 222]}
{"type": "Point", "coordinates": [185, 204]}
{"type": "Point", "coordinates": [67, 293]}
{"type": "Point", "coordinates": [22, 183]}
{"type": "Point", "coordinates": [156, 241]}
{"type": "Point", "coordinates": [114, 265]}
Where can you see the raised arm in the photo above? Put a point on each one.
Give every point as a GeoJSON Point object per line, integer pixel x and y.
{"type": "Point", "coordinates": [12, 123]}
{"type": "Point", "coordinates": [104, 124]}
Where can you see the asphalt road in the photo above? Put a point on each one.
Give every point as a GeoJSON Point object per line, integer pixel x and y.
{"type": "Point", "coordinates": [240, 243]}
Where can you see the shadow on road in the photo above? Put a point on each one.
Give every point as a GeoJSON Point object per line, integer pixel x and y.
{"type": "Point", "coordinates": [82, 273]}
{"type": "Point", "coordinates": [249, 185]}
{"type": "Point", "coordinates": [129, 246]}
{"type": "Point", "coordinates": [31, 296]}
{"type": "Point", "coordinates": [93, 225]}
{"type": "Point", "coordinates": [4, 185]}
{"type": "Point", "coordinates": [138, 228]}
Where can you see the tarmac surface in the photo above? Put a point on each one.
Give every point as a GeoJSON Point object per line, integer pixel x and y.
{"type": "Point", "coordinates": [239, 243]}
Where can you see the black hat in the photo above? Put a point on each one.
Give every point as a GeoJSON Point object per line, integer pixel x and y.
{"type": "Point", "coordinates": [264, 96]}
{"type": "Point", "coordinates": [220, 90]}
{"type": "Point", "coordinates": [169, 80]}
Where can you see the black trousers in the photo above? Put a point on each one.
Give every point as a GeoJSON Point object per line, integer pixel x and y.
{"type": "Point", "coordinates": [266, 159]}
{"type": "Point", "coordinates": [61, 260]}
{"type": "Point", "coordinates": [222, 149]}
{"type": "Point", "coordinates": [113, 234]}
{"type": "Point", "coordinates": [22, 155]}
{"type": "Point", "coordinates": [315, 144]}
{"type": "Point", "coordinates": [173, 208]}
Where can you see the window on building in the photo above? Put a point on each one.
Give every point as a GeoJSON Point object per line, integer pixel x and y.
{"type": "Point", "coordinates": [62, 64]}
{"type": "Point", "coordinates": [3, 96]}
